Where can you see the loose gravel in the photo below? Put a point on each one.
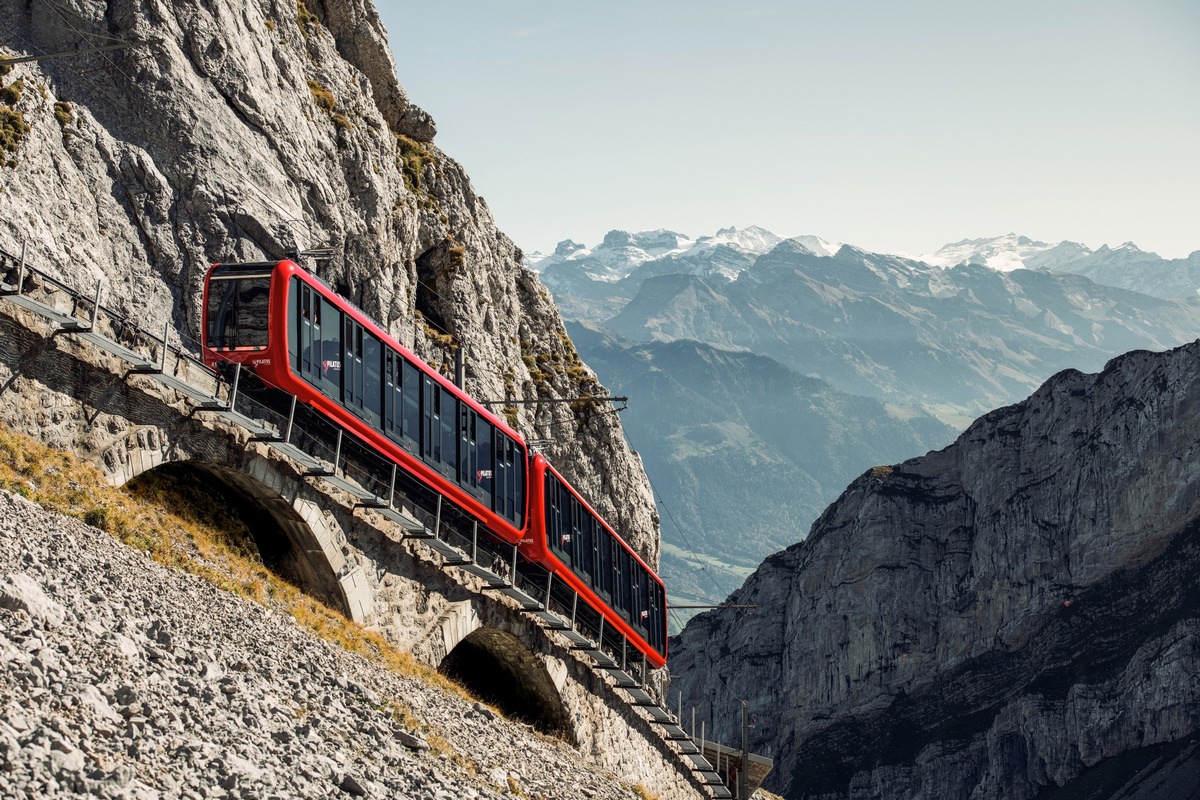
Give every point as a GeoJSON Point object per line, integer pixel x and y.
{"type": "Point", "coordinates": [120, 678]}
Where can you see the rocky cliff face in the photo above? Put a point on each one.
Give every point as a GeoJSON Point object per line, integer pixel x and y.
{"type": "Point", "coordinates": [1014, 613]}
{"type": "Point", "coordinates": [250, 131]}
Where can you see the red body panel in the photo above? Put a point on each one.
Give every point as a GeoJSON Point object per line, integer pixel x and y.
{"type": "Point", "coordinates": [272, 365]}
{"type": "Point", "coordinates": [538, 550]}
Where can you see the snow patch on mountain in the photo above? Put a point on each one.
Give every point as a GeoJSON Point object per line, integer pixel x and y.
{"type": "Point", "coordinates": [1006, 253]}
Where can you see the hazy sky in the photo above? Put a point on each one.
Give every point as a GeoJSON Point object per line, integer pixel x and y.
{"type": "Point", "coordinates": [893, 125]}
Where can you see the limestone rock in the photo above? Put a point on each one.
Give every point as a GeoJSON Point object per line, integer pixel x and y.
{"type": "Point", "coordinates": [991, 619]}
{"type": "Point", "coordinates": [19, 592]}
{"type": "Point", "coordinates": [252, 131]}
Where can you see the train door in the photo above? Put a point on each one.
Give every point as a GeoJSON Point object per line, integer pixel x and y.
{"type": "Point", "coordinates": [474, 452]}
{"type": "Point", "coordinates": [319, 356]}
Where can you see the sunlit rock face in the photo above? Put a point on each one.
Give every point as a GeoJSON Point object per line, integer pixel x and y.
{"type": "Point", "coordinates": [1013, 613]}
{"type": "Point", "coordinates": [249, 131]}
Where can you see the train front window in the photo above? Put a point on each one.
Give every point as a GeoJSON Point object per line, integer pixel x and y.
{"type": "Point", "coordinates": [237, 311]}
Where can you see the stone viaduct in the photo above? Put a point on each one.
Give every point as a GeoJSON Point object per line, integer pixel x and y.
{"type": "Point", "coordinates": [81, 380]}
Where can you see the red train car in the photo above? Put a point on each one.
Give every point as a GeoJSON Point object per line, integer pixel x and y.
{"type": "Point", "coordinates": [298, 335]}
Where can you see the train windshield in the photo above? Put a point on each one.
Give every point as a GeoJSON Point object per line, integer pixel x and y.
{"type": "Point", "coordinates": [237, 308]}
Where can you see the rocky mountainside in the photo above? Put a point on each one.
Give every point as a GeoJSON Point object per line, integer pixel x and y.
{"type": "Point", "coordinates": [123, 679]}
{"type": "Point", "coordinates": [744, 452]}
{"type": "Point", "coordinates": [1013, 616]}
{"type": "Point", "coordinates": [250, 131]}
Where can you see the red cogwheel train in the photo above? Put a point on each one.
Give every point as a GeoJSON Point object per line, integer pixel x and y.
{"type": "Point", "coordinates": [296, 334]}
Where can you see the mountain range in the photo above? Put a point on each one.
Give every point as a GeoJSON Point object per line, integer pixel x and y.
{"type": "Point", "coordinates": [744, 451]}
{"type": "Point", "coordinates": [764, 372]}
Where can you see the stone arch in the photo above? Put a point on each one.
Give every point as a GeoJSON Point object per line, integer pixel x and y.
{"type": "Point", "coordinates": [500, 668]}
{"type": "Point", "coordinates": [296, 540]}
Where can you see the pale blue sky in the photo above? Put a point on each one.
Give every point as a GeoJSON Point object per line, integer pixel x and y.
{"type": "Point", "coordinates": [896, 126]}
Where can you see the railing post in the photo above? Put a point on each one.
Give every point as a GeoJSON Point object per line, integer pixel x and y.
{"type": "Point", "coordinates": [475, 543]}
{"type": "Point", "coordinates": [437, 520]}
{"type": "Point", "coordinates": [645, 676]}
{"type": "Point", "coordinates": [287, 437]}
{"type": "Point", "coordinates": [574, 607]}
{"type": "Point", "coordinates": [701, 739]}
{"type": "Point", "coordinates": [21, 267]}
{"type": "Point", "coordinates": [693, 731]}
{"type": "Point", "coordinates": [96, 304]}
{"type": "Point", "coordinates": [624, 652]}
{"type": "Point", "coordinates": [600, 641]}
{"type": "Point", "coordinates": [392, 487]}
{"type": "Point", "coordinates": [549, 583]}
{"type": "Point", "coordinates": [162, 365]}
{"type": "Point", "coordinates": [337, 452]}
{"type": "Point", "coordinates": [237, 377]}
{"type": "Point", "coordinates": [514, 567]}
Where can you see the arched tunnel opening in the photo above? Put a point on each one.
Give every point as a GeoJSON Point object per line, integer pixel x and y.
{"type": "Point", "coordinates": [499, 668]}
{"type": "Point", "coordinates": [258, 522]}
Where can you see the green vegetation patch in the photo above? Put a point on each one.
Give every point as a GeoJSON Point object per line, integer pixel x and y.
{"type": "Point", "coordinates": [324, 97]}
{"type": "Point", "coordinates": [306, 21]}
{"type": "Point", "coordinates": [412, 159]}
{"type": "Point", "coordinates": [11, 95]}
{"type": "Point", "coordinates": [13, 128]}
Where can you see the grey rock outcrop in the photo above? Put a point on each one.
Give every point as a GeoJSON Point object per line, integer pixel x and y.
{"type": "Point", "coordinates": [234, 133]}
{"type": "Point", "coordinates": [1014, 613]}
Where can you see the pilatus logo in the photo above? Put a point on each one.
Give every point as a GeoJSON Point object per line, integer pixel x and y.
{"type": "Point", "coordinates": [483, 474]}
{"type": "Point", "coordinates": [261, 362]}
{"type": "Point", "coordinates": [330, 366]}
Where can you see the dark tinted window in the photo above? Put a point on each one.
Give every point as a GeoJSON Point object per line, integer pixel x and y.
{"type": "Point", "coordinates": [237, 312]}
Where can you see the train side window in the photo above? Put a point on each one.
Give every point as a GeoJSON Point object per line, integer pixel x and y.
{"type": "Point", "coordinates": [620, 571]}
{"type": "Point", "coordinates": [352, 366]}
{"type": "Point", "coordinates": [329, 350]}
{"type": "Point", "coordinates": [598, 534]}
{"type": "Point", "coordinates": [637, 594]}
{"type": "Point", "coordinates": [604, 565]}
{"type": "Point", "coordinates": [509, 470]}
{"type": "Point", "coordinates": [294, 322]}
{"type": "Point", "coordinates": [309, 333]}
{"type": "Point", "coordinates": [583, 550]}
{"type": "Point", "coordinates": [484, 479]}
{"type": "Point", "coordinates": [411, 381]}
{"type": "Point", "coordinates": [468, 448]}
{"type": "Point", "coordinates": [372, 380]}
{"type": "Point", "coordinates": [555, 536]}
{"type": "Point", "coordinates": [658, 613]}
{"type": "Point", "coordinates": [391, 393]}
{"type": "Point", "coordinates": [428, 415]}
{"type": "Point", "coordinates": [448, 431]}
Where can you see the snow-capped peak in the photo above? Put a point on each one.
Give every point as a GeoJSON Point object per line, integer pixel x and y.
{"type": "Point", "coordinates": [1005, 253]}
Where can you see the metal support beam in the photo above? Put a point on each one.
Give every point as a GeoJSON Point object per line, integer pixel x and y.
{"type": "Point", "coordinates": [96, 305]}
{"type": "Point", "coordinates": [237, 377]}
{"type": "Point", "coordinates": [162, 364]}
{"type": "Point", "coordinates": [287, 436]}
{"type": "Point", "coordinates": [21, 268]}
{"type": "Point", "coordinates": [337, 452]}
